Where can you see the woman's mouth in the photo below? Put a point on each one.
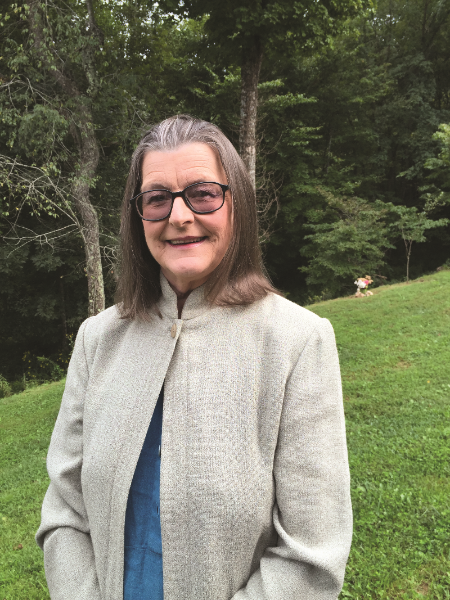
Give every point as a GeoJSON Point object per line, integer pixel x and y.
{"type": "Point", "coordinates": [186, 241]}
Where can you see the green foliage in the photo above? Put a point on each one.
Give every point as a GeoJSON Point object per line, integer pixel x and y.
{"type": "Point", "coordinates": [349, 239]}
{"type": "Point", "coordinates": [18, 386]}
{"type": "Point", "coordinates": [40, 131]}
{"type": "Point", "coordinates": [354, 99]}
{"type": "Point", "coordinates": [5, 388]}
{"type": "Point", "coordinates": [443, 135]}
{"type": "Point", "coordinates": [284, 24]}
{"type": "Point", "coordinates": [381, 92]}
{"type": "Point", "coordinates": [43, 292]}
{"type": "Point", "coordinates": [40, 369]}
{"type": "Point", "coordinates": [439, 193]}
{"type": "Point", "coordinates": [412, 226]}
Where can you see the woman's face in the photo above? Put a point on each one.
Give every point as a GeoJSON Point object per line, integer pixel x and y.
{"type": "Point", "coordinates": [187, 265]}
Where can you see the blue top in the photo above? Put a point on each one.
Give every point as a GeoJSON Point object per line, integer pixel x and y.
{"type": "Point", "coordinates": [143, 574]}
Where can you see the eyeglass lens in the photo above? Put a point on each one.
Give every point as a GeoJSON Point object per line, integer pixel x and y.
{"type": "Point", "coordinates": [203, 197]}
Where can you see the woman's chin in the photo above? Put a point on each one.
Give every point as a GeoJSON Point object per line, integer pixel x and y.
{"type": "Point", "coordinates": [186, 272]}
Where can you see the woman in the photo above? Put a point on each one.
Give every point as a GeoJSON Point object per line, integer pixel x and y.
{"type": "Point", "coordinates": [241, 386]}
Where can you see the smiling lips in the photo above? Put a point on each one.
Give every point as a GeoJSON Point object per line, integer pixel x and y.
{"type": "Point", "coordinates": [186, 241]}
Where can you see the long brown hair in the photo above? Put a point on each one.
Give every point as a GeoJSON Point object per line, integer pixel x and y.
{"type": "Point", "coordinates": [240, 278]}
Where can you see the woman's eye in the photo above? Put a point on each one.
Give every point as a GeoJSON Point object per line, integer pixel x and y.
{"type": "Point", "coordinates": [154, 199]}
{"type": "Point", "coordinates": [205, 194]}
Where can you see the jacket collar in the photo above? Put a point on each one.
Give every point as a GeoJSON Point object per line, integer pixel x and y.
{"type": "Point", "coordinates": [195, 305]}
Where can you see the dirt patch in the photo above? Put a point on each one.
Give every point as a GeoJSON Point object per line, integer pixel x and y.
{"type": "Point", "coordinates": [403, 364]}
{"type": "Point", "coordinates": [423, 589]}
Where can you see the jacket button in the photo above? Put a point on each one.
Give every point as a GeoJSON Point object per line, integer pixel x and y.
{"type": "Point", "coordinates": [173, 331]}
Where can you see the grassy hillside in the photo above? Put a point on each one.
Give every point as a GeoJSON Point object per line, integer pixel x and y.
{"type": "Point", "coordinates": [395, 356]}
{"type": "Point", "coordinates": [26, 423]}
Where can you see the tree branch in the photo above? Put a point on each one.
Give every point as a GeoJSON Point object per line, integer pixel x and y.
{"type": "Point", "coordinates": [45, 55]}
{"type": "Point", "coordinates": [93, 27]}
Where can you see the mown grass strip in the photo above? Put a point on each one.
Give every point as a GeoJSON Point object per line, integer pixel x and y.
{"type": "Point", "coordinates": [394, 349]}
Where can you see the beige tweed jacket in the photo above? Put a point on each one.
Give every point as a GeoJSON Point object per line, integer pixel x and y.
{"type": "Point", "coordinates": [255, 495]}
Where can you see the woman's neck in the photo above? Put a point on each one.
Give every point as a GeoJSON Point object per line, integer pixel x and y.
{"type": "Point", "coordinates": [181, 299]}
{"type": "Point", "coordinates": [182, 295]}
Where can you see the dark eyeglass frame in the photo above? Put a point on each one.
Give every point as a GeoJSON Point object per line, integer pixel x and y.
{"type": "Point", "coordinates": [182, 194]}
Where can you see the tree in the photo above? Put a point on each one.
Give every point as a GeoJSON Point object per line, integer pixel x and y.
{"type": "Point", "coordinates": [439, 193]}
{"type": "Point", "coordinates": [63, 109]}
{"type": "Point", "coordinates": [49, 53]}
{"type": "Point", "coordinates": [41, 296]}
{"type": "Point", "coordinates": [379, 99]}
{"type": "Point", "coordinates": [352, 114]}
{"type": "Point", "coordinates": [412, 225]}
{"type": "Point", "coordinates": [43, 263]}
{"type": "Point", "coordinates": [348, 241]}
{"type": "Point", "coordinates": [247, 31]}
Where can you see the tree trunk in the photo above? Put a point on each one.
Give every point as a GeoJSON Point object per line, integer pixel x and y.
{"type": "Point", "coordinates": [251, 66]}
{"type": "Point", "coordinates": [408, 245]}
{"type": "Point", "coordinates": [84, 136]}
{"type": "Point", "coordinates": [407, 267]}
{"type": "Point", "coordinates": [89, 157]}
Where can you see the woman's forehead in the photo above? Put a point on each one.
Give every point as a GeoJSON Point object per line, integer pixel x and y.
{"type": "Point", "coordinates": [184, 165]}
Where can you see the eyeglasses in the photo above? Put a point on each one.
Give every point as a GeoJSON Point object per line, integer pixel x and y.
{"type": "Point", "coordinates": [202, 198]}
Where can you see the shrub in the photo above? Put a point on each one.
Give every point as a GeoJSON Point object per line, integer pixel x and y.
{"type": "Point", "coordinates": [17, 386]}
{"type": "Point", "coordinates": [49, 369]}
{"type": "Point", "coordinates": [39, 369]}
{"type": "Point", "coordinates": [5, 389]}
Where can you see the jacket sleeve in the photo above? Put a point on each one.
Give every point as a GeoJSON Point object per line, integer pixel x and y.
{"type": "Point", "coordinates": [312, 514]}
{"type": "Point", "coordinates": [64, 531]}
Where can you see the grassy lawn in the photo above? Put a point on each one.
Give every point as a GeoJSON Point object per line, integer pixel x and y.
{"type": "Point", "coordinates": [26, 423]}
{"type": "Point", "coordinates": [395, 357]}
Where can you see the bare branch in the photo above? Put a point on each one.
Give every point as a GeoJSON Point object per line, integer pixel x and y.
{"type": "Point", "coordinates": [47, 238]}
{"type": "Point", "coordinates": [35, 185]}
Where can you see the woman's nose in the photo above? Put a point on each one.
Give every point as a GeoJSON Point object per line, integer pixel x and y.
{"type": "Point", "coordinates": [181, 214]}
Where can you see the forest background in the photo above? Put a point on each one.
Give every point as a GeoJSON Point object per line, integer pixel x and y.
{"type": "Point", "coordinates": [340, 110]}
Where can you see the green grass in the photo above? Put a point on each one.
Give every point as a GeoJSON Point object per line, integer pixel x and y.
{"type": "Point", "coordinates": [395, 356]}
{"type": "Point", "coordinates": [26, 423]}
